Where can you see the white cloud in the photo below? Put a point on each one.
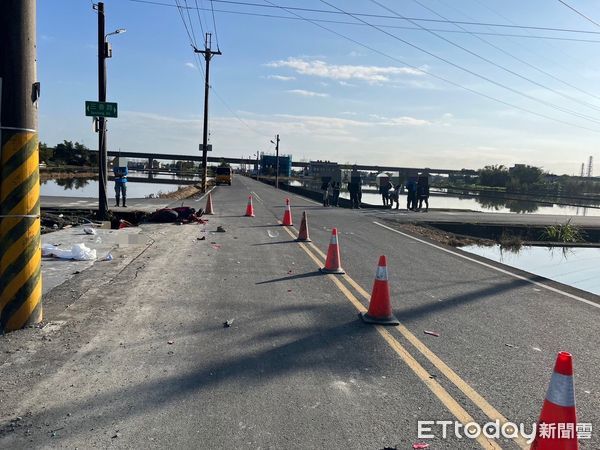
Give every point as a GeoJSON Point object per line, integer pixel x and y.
{"type": "Point", "coordinates": [370, 74]}
{"type": "Point", "coordinates": [305, 93]}
{"type": "Point", "coordinates": [280, 78]}
{"type": "Point", "coordinates": [190, 65]}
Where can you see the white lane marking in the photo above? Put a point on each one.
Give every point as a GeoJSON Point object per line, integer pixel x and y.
{"type": "Point", "coordinates": [257, 197]}
{"type": "Point", "coordinates": [497, 269]}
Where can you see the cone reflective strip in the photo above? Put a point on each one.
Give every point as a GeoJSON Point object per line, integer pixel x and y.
{"type": "Point", "coordinates": [561, 391]}
{"type": "Point", "coordinates": [287, 215]}
{"type": "Point", "coordinates": [20, 244]}
{"type": "Point", "coordinates": [381, 274]}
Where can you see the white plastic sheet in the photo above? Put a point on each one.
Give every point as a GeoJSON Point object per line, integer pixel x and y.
{"type": "Point", "coordinates": [78, 252]}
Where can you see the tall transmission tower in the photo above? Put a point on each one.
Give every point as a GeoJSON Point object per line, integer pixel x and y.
{"type": "Point", "coordinates": [582, 170]}
{"type": "Point", "coordinates": [590, 167]}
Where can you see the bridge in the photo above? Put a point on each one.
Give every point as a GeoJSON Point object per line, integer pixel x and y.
{"type": "Point", "coordinates": [151, 157]}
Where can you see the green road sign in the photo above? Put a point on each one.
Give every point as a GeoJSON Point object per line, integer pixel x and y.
{"type": "Point", "coordinates": [100, 109]}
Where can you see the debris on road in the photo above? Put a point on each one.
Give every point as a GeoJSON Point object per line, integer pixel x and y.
{"type": "Point", "coordinates": [420, 445]}
{"type": "Point", "coordinates": [108, 257]}
{"type": "Point", "coordinates": [89, 230]}
{"type": "Point", "coordinates": [432, 333]}
{"type": "Point", "coordinates": [220, 229]}
{"type": "Point", "coordinates": [228, 323]}
{"type": "Point", "coordinates": [216, 246]}
{"type": "Point", "coordinates": [78, 252]}
{"type": "Point", "coordinates": [511, 345]}
{"type": "Point", "coordinates": [170, 342]}
{"type": "Point", "coordinates": [203, 238]}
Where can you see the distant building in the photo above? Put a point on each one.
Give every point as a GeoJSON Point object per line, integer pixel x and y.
{"type": "Point", "coordinates": [325, 169]}
{"type": "Point", "coordinates": [268, 165]}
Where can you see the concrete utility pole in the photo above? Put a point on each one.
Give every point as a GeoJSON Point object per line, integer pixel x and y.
{"type": "Point", "coordinates": [20, 249]}
{"type": "Point", "coordinates": [208, 54]}
{"type": "Point", "coordinates": [102, 158]}
{"type": "Point", "coordinates": [276, 161]}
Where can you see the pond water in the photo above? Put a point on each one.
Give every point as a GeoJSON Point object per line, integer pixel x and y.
{"type": "Point", "coordinates": [574, 266]}
{"type": "Point", "coordinates": [82, 187]}
{"type": "Point", "coordinates": [495, 205]}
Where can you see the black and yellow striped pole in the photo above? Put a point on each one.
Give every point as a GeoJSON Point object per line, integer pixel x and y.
{"type": "Point", "coordinates": [20, 250]}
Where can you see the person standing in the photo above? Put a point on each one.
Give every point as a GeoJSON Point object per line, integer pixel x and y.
{"type": "Point", "coordinates": [120, 183]}
{"type": "Point", "coordinates": [336, 193]}
{"type": "Point", "coordinates": [423, 192]}
{"type": "Point", "coordinates": [325, 189]}
{"type": "Point", "coordinates": [411, 194]}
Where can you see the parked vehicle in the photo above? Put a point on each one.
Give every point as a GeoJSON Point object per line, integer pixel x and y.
{"type": "Point", "coordinates": [223, 175]}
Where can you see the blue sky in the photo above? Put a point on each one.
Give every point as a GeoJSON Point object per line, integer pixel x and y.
{"type": "Point", "coordinates": [368, 101]}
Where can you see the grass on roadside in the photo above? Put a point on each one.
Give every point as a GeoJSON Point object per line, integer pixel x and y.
{"type": "Point", "coordinates": [566, 232]}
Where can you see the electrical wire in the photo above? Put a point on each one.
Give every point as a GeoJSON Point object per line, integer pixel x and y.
{"type": "Point", "coordinates": [212, 9]}
{"type": "Point", "coordinates": [580, 13]}
{"type": "Point", "coordinates": [398, 27]}
{"type": "Point", "coordinates": [380, 16]}
{"type": "Point", "coordinates": [433, 75]}
{"type": "Point", "coordinates": [522, 61]}
{"type": "Point", "coordinates": [187, 9]}
{"type": "Point", "coordinates": [544, 56]}
{"type": "Point", "coordinates": [199, 18]}
{"type": "Point", "coordinates": [469, 71]}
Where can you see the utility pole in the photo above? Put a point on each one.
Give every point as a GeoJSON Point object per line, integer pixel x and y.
{"type": "Point", "coordinates": [276, 161]}
{"type": "Point", "coordinates": [20, 249]}
{"type": "Point", "coordinates": [582, 172]}
{"type": "Point", "coordinates": [590, 170]}
{"type": "Point", "coordinates": [102, 157]}
{"type": "Point", "coordinates": [208, 54]}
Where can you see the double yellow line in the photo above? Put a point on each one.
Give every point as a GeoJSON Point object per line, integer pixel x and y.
{"type": "Point", "coordinates": [438, 390]}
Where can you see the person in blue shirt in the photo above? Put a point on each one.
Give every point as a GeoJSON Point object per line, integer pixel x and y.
{"type": "Point", "coordinates": [121, 184]}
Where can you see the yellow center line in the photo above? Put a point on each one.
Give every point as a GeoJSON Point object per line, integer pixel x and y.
{"type": "Point", "coordinates": [438, 390]}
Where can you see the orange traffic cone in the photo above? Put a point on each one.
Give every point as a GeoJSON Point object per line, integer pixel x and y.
{"type": "Point", "coordinates": [303, 235]}
{"type": "Point", "coordinates": [333, 263]}
{"type": "Point", "coordinates": [380, 308]}
{"type": "Point", "coordinates": [249, 208]}
{"type": "Point", "coordinates": [287, 215]}
{"type": "Point", "coordinates": [209, 207]}
{"type": "Point", "coordinates": [558, 408]}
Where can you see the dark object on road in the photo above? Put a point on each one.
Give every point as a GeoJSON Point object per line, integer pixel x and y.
{"type": "Point", "coordinates": [164, 215]}
{"type": "Point", "coordinates": [228, 323]}
{"type": "Point", "coordinates": [431, 333]}
{"type": "Point", "coordinates": [203, 238]}
{"type": "Point", "coordinates": [420, 445]}
{"type": "Point", "coordinates": [220, 229]}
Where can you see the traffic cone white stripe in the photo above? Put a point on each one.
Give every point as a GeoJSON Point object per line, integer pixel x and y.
{"type": "Point", "coordinates": [381, 274]}
{"type": "Point", "coordinates": [334, 240]}
{"type": "Point", "coordinates": [561, 390]}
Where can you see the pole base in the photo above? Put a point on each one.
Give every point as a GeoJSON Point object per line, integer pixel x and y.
{"type": "Point", "coordinates": [338, 271]}
{"type": "Point", "coordinates": [391, 320]}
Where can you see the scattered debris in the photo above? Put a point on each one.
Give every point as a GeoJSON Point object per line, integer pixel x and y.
{"type": "Point", "coordinates": [108, 257]}
{"type": "Point", "coordinates": [537, 349]}
{"type": "Point", "coordinates": [116, 435]}
{"type": "Point", "coordinates": [77, 272]}
{"type": "Point", "coordinates": [432, 333]}
{"type": "Point", "coordinates": [203, 238]}
{"type": "Point", "coordinates": [420, 445]}
{"type": "Point", "coordinates": [78, 252]}
{"type": "Point", "coordinates": [216, 246]}
{"type": "Point", "coordinates": [511, 345]}
{"type": "Point", "coordinates": [89, 230]}
{"type": "Point", "coordinates": [170, 342]}
{"type": "Point", "coordinates": [220, 229]}
{"type": "Point", "coordinates": [228, 323]}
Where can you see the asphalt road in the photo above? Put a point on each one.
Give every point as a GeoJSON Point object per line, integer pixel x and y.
{"type": "Point", "coordinates": [141, 359]}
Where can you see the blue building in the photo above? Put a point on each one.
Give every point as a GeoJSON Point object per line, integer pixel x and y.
{"type": "Point", "coordinates": [268, 164]}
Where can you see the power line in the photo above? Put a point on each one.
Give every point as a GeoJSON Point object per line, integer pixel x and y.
{"type": "Point", "coordinates": [199, 18]}
{"type": "Point", "coordinates": [383, 16]}
{"type": "Point", "coordinates": [469, 71]}
{"type": "Point", "coordinates": [212, 9]}
{"type": "Point", "coordinates": [431, 74]}
{"type": "Point", "coordinates": [191, 23]}
{"type": "Point", "coordinates": [544, 56]}
{"type": "Point", "coordinates": [580, 13]}
{"type": "Point", "coordinates": [398, 27]}
{"type": "Point", "coordinates": [582, 102]}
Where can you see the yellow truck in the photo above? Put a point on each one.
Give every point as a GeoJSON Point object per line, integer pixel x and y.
{"type": "Point", "coordinates": [223, 175]}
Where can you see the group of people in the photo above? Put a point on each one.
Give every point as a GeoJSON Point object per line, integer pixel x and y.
{"type": "Point", "coordinates": [331, 193]}
{"type": "Point", "coordinates": [417, 193]}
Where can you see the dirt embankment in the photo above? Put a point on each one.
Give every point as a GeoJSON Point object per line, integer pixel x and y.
{"type": "Point", "coordinates": [436, 235]}
{"type": "Point", "coordinates": [61, 174]}
{"type": "Point", "coordinates": [182, 193]}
